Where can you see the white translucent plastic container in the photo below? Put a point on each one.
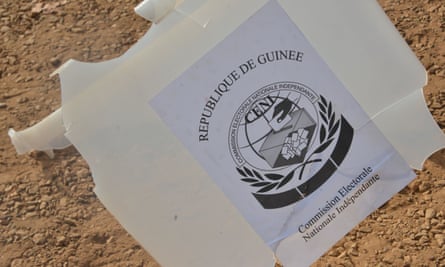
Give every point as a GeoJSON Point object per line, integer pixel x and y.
{"type": "Point", "coordinates": [150, 182]}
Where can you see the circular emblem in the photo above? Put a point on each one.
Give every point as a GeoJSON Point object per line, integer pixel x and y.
{"type": "Point", "coordinates": [274, 127]}
{"type": "Point", "coordinates": [277, 133]}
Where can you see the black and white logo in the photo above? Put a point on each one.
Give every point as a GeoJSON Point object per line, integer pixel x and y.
{"type": "Point", "coordinates": [287, 141]}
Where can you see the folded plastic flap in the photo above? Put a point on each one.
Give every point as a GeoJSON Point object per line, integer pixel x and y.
{"type": "Point", "coordinates": [45, 136]}
{"type": "Point", "coordinates": [415, 134]}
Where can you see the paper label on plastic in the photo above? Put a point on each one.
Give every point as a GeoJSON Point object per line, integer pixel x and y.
{"type": "Point", "coordinates": [281, 136]}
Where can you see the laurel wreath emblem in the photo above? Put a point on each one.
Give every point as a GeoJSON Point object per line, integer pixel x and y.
{"type": "Point", "coordinates": [266, 182]}
{"type": "Point", "coordinates": [329, 127]}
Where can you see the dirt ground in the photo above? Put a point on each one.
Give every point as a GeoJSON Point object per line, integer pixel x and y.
{"type": "Point", "coordinates": [49, 215]}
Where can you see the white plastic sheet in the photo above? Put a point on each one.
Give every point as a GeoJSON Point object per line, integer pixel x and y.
{"type": "Point", "coordinates": [137, 163]}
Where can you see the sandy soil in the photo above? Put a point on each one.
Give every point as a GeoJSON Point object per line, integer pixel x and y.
{"type": "Point", "coordinates": [49, 215]}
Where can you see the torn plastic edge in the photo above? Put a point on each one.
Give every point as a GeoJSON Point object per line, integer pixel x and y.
{"type": "Point", "coordinates": [22, 146]}
{"type": "Point", "coordinates": [45, 136]}
{"type": "Point", "coordinates": [155, 10]}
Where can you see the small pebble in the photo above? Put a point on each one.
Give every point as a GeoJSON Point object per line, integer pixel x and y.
{"type": "Point", "coordinates": [55, 61]}
{"type": "Point", "coordinates": [4, 29]}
